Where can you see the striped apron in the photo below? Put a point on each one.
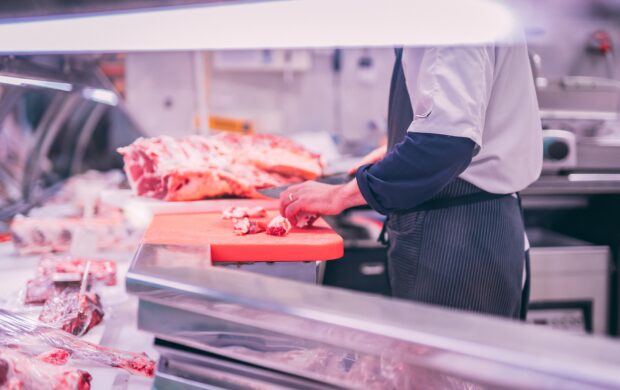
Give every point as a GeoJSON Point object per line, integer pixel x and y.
{"type": "Point", "coordinates": [464, 248]}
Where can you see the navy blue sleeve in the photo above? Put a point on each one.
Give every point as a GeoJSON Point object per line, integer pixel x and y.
{"type": "Point", "coordinates": [414, 171]}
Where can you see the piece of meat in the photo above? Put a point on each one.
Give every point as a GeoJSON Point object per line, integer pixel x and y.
{"type": "Point", "coordinates": [55, 356]}
{"type": "Point", "coordinates": [248, 226]}
{"type": "Point", "coordinates": [51, 268]}
{"type": "Point", "coordinates": [238, 212]}
{"type": "Point", "coordinates": [279, 226]}
{"type": "Point", "coordinates": [139, 364]}
{"type": "Point", "coordinates": [198, 167]}
{"type": "Point", "coordinates": [39, 235]}
{"type": "Point", "coordinates": [18, 371]}
{"type": "Point", "coordinates": [72, 312]}
{"type": "Point", "coordinates": [33, 338]}
{"type": "Point", "coordinates": [39, 290]}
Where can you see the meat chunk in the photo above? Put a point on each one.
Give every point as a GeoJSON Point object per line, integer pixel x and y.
{"type": "Point", "coordinates": [55, 356]}
{"type": "Point", "coordinates": [248, 226]}
{"type": "Point", "coordinates": [279, 226]}
{"type": "Point", "coordinates": [238, 212]}
{"type": "Point", "coordinates": [19, 371]}
{"type": "Point", "coordinates": [72, 312]}
{"type": "Point", "coordinates": [198, 167]}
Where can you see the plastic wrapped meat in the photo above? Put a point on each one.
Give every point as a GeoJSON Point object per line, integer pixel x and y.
{"type": "Point", "coordinates": [239, 212]}
{"type": "Point", "coordinates": [279, 226]}
{"type": "Point", "coordinates": [32, 235]}
{"type": "Point", "coordinates": [72, 312]}
{"type": "Point", "coordinates": [55, 356]}
{"type": "Point", "coordinates": [20, 372]}
{"type": "Point", "coordinates": [33, 339]}
{"type": "Point", "coordinates": [198, 167]}
{"type": "Point", "coordinates": [52, 273]}
{"type": "Point", "coordinates": [248, 226]}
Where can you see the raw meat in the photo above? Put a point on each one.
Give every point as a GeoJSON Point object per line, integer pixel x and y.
{"type": "Point", "coordinates": [279, 226]}
{"type": "Point", "coordinates": [33, 338]}
{"type": "Point", "coordinates": [305, 220]}
{"type": "Point", "coordinates": [72, 312]}
{"type": "Point", "coordinates": [238, 212]}
{"type": "Point", "coordinates": [32, 235]}
{"type": "Point", "coordinates": [248, 226]}
{"type": "Point", "coordinates": [18, 371]}
{"type": "Point", "coordinates": [198, 167]}
{"type": "Point", "coordinates": [51, 269]}
{"type": "Point", "coordinates": [56, 356]}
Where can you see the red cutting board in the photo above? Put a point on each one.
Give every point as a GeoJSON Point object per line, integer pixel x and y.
{"type": "Point", "coordinates": [318, 242]}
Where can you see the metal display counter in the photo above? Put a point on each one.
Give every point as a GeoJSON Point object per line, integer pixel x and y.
{"type": "Point", "coordinates": [221, 328]}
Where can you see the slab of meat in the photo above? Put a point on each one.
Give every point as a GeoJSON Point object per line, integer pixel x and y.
{"type": "Point", "coordinates": [248, 226]}
{"type": "Point", "coordinates": [198, 167]}
{"type": "Point", "coordinates": [18, 371]}
{"type": "Point", "coordinates": [34, 338]}
{"type": "Point", "coordinates": [238, 212]}
{"type": "Point", "coordinates": [102, 271]}
{"type": "Point", "coordinates": [279, 226]}
{"type": "Point", "coordinates": [72, 312]}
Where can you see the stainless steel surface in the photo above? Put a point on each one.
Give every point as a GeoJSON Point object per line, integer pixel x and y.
{"type": "Point", "coordinates": [575, 184]}
{"type": "Point", "coordinates": [579, 98]}
{"type": "Point", "coordinates": [566, 270]}
{"type": "Point", "coordinates": [251, 317]}
{"type": "Point", "coordinates": [185, 370]}
{"type": "Point", "coordinates": [306, 271]}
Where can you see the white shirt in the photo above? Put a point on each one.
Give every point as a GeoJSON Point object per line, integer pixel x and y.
{"type": "Point", "coordinates": [486, 94]}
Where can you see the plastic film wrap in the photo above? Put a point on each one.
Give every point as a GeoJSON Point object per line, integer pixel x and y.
{"type": "Point", "coordinates": [33, 338]}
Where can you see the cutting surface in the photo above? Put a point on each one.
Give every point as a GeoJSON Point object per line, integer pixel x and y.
{"type": "Point", "coordinates": [318, 242]}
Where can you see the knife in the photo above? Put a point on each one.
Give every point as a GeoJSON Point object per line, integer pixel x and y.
{"type": "Point", "coordinates": [335, 178]}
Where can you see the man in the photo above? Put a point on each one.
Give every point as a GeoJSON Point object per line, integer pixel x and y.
{"type": "Point", "coordinates": [464, 136]}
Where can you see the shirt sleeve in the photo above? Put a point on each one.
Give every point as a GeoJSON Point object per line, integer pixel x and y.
{"type": "Point", "coordinates": [414, 171]}
{"type": "Point", "coordinates": [450, 89]}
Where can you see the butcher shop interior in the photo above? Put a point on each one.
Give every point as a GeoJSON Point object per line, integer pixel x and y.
{"type": "Point", "coordinates": [231, 194]}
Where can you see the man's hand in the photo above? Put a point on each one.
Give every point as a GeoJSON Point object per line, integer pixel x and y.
{"type": "Point", "coordinates": [370, 158]}
{"type": "Point", "coordinates": [319, 199]}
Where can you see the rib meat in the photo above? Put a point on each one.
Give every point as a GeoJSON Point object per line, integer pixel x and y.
{"type": "Point", "coordinates": [198, 167]}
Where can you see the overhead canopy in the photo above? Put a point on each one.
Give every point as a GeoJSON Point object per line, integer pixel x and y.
{"type": "Point", "coordinates": [265, 24]}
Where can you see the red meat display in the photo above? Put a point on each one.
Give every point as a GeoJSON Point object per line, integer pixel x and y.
{"type": "Point", "coordinates": [198, 167]}
{"type": "Point", "coordinates": [19, 372]}
{"type": "Point", "coordinates": [53, 269]}
{"type": "Point", "coordinates": [72, 312]}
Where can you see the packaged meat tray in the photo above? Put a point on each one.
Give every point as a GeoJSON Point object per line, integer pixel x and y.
{"type": "Point", "coordinates": [32, 235]}
{"type": "Point", "coordinates": [200, 167]}
{"type": "Point", "coordinates": [73, 312]}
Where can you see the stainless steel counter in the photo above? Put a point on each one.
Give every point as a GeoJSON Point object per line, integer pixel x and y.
{"type": "Point", "coordinates": [353, 340]}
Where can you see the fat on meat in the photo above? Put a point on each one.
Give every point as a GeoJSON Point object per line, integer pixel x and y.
{"type": "Point", "coordinates": [199, 167]}
{"type": "Point", "coordinates": [238, 212]}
